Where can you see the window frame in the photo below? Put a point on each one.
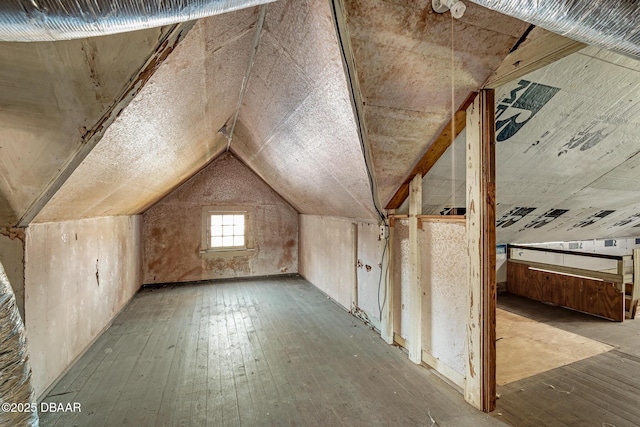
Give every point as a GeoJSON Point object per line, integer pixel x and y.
{"type": "Point", "coordinates": [207, 212]}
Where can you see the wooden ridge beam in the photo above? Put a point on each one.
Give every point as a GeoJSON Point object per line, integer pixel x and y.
{"type": "Point", "coordinates": [434, 152]}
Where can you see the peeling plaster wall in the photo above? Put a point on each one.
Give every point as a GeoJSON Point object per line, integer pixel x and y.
{"type": "Point", "coordinates": [173, 228]}
{"type": "Point", "coordinates": [12, 258]}
{"type": "Point", "coordinates": [78, 276]}
{"type": "Point", "coordinates": [443, 249]}
{"type": "Point", "coordinates": [326, 255]}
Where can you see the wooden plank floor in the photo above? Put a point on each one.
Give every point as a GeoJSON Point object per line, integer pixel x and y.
{"type": "Point", "coordinates": [254, 352]}
{"type": "Point", "coordinates": [602, 390]}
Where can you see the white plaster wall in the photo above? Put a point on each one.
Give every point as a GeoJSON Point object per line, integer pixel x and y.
{"type": "Point", "coordinates": [443, 253]}
{"type": "Point", "coordinates": [369, 267]}
{"type": "Point", "coordinates": [444, 287]}
{"type": "Point", "coordinates": [12, 258]}
{"type": "Point", "coordinates": [78, 276]}
{"type": "Point", "coordinates": [326, 254]}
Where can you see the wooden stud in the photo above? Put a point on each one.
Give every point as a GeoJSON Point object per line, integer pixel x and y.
{"type": "Point", "coordinates": [537, 53]}
{"type": "Point", "coordinates": [620, 270]}
{"type": "Point", "coordinates": [635, 292]}
{"type": "Point", "coordinates": [480, 386]}
{"type": "Point", "coordinates": [386, 327]}
{"type": "Point", "coordinates": [433, 153]}
{"type": "Point", "coordinates": [453, 219]}
{"type": "Point", "coordinates": [415, 288]}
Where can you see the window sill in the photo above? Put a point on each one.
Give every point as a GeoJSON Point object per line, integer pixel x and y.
{"type": "Point", "coordinates": [226, 253]}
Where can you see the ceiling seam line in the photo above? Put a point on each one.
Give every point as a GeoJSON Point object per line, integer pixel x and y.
{"type": "Point", "coordinates": [357, 105]}
{"type": "Point", "coordinates": [247, 74]}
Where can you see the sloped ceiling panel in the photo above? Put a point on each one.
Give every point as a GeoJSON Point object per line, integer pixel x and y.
{"type": "Point", "coordinates": [50, 95]}
{"type": "Point", "coordinates": [567, 153]}
{"type": "Point", "coordinates": [297, 129]}
{"type": "Point", "coordinates": [170, 130]}
{"type": "Point", "coordinates": [568, 150]}
{"type": "Point", "coordinates": [403, 56]}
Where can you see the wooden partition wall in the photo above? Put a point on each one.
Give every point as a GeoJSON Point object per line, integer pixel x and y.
{"type": "Point", "coordinates": [591, 296]}
{"type": "Point", "coordinates": [600, 292]}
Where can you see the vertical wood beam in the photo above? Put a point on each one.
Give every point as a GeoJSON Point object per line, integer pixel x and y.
{"type": "Point", "coordinates": [480, 387]}
{"type": "Point", "coordinates": [620, 269]}
{"type": "Point", "coordinates": [415, 287]}
{"type": "Point", "coordinates": [354, 286]}
{"type": "Point", "coordinates": [386, 323]}
{"type": "Point", "coordinates": [635, 292]}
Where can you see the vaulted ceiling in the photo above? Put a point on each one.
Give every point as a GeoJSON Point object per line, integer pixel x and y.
{"type": "Point", "coordinates": [303, 93]}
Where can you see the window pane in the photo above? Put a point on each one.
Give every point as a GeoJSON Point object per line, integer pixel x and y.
{"type": "Point", "coordinates": [238, 219]}
{"type": "Point", "coordinates": [227, 219]}
{"type": "Point", "coordinates": [216, 242]}
{"type": "Point", "coordinates": [227, 241]}
{"type": "Point", "coordinates": [216, 230]}
{"type": "Point", "coordinates": [227, 230]}
{"type": "Point", "coordinates": [238, 241]}
{"type": "Point", "coordinates": [216, 219]}
{"type": "Point", "coordinates": [238, 230]}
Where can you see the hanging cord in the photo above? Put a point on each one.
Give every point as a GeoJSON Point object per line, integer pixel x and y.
{"type": "Point", "coordinates": [453, 131]}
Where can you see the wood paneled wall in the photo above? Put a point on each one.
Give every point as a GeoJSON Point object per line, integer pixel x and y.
{"type": "Point", "coordinates": [591, 296]}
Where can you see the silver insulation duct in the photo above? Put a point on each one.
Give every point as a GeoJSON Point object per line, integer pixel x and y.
{"type": "Point", "coordinates": [609, 24]}
{"type": "Point", "coordinates": [48, 20]}
{"type": "Point", "coordinates": [17, 400]}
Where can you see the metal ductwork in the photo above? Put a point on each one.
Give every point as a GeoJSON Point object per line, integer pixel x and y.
{"type": "Point", "coordinates": [609, 24]}
{"type": "Point", "coordinates": [49, 20]}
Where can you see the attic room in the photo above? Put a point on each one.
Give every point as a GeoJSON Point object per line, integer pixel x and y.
{"type": "Point", "coordinates": [316, 212]}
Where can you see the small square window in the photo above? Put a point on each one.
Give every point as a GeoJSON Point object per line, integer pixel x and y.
{"type": "Point", "coordinates": [227, 231]}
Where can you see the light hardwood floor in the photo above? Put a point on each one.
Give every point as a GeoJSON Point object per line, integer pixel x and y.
{"type": "Point", "coordinates": [268, 352]}
{"type": "Point", "coordinates": [600, 391]}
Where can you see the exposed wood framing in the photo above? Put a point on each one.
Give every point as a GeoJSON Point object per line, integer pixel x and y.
{"type": "Point", "coordinates": [451, 219]}
{"type": "Point", "coordinates": [414, 337]}
{"type": "Point", "coordinates": [434, 152]}
{"type": "Point", "coordinates": [480, 386]}
{"type": "Point", "coordinates": [533, 55]}
{"type": "Point", "coordinates": [386, 324]}
{"type": "Point", "coordinates": [170, 39]}
{"type": "Point", "coordinates": [399, 341]}
{"type": "Point", "coordinates": [445, 370]}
